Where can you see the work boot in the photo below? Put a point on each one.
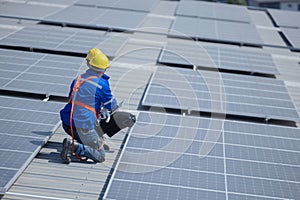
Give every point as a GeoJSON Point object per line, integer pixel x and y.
{"type": "Point", "coordinates": [106, 147]}
{"type": "Point", "coordinates": [67, 150]}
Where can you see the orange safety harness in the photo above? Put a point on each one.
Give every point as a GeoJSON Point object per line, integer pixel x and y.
{"type": "Point", "coordinates": [78, 83]}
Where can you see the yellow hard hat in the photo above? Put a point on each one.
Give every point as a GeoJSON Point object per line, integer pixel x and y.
{"type": "Point", "coordinates": [97, 59]}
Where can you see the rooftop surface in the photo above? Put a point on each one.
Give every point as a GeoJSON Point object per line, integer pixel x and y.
{"type": "Point", "coordinates": [216, 95]}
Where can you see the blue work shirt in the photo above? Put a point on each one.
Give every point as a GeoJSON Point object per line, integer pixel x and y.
{"type": "Point", "coordinates": [91, 95]}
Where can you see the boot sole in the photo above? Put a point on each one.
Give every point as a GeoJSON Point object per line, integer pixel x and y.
{"type": "Point", "coordinates": [64, 155]}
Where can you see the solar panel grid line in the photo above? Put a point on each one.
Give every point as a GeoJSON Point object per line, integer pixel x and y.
{"type": "Point", "coordinates": [254, 177]}
{"type": "Point", "coordinates": [292, 36]}
{"type": "Point", "coordinates": [20, 144]}
{"type": "Point", "coordinates": [281, 87]}
{"type": "Point", "coordinates": [49, 75]}
{"type": "Point", "coordinates": [209, 10]}
{"type": "Point", "coordinates": [94, 20]}
{"type": "Point", "coordinates": [22, 136]}
{"type": "Point", "coordinates": [117, 163]}
{"type": "Point", "coordinates": [224, 62]}
{"type": "Point", "coordinates": [227, 132]}
{"type": "Point", "coordinates": [28, 115]}
{"type": "Point", "coordinates": [22, 86]}
{"type": "Point", "coordinates": [27, 122]}
{"type": "Point", "coordinates": [255, 196]}
{"type": "Point", "coordinates": [26, 125]}
{"type": "Point", "coordinates": [27, 103]}
{"type": "Point", "coordinates": [65, 39]}
{"type": "Point", "coordinates": [284, 101]}
{"type": "Point", "coordinates": [147, 89]}
{"type": "Point", "coordinates": [169, 185]}
{"type": "Point", "coordinates": [197, 82]}
{"type": "Point", "coordinates": [220, 157]}
{"type": "Point", "coordinates": [55, 34]}
{"type": "Point", "coordinates": [224, 162]}
{"type": "Point", "coordinates": [260, 187]}
{"type": "Point", "coordinates": [122, 5]}
{"type": "Point", "coordinates": [174, 152]}
{"type": "Point", "coordinates": [15, 151]}
{"type": "Point", "coordinates": [20, 36]}
{"type": "Point", "coordinates": [169, 167]}
{"type": "Point", "coordinates": [236, 109]}
{"type": "Point", "coordinates": [233, 144]}
{"type": "Point", "coordinates": [181, 99]}
{"type": "Point", "coordinates": [24, 109]}
{"type": "Point", "coordinates": [262, 166]}
{"type": "Point", "coordinates": [240, 33]}
{"type": "Point", "coordinates": [23, 71]}
{"type": "Point", "coordinates": [295, 137]}
{"type": "Point", "coordinates": [223, 76]}
{"type": "Point", "coordinates": [203, 94]}
{"type": "Point", "coordinates": [283, 18]}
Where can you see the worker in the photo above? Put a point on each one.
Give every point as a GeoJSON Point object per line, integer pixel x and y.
{"type": "Point", "coordinates": [89, 96]}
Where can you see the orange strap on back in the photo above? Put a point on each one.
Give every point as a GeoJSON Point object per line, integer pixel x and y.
{"type": "Point", "coordinates": [78, 83]}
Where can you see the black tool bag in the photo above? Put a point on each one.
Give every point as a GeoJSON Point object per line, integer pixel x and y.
{"type": "Point", "coordinates": [118, 121]}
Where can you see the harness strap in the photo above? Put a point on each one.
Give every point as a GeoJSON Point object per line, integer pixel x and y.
{"type": "Point", "coordinates": [78, 103]}
{"type": "Point", "coordinates": [78, 83]}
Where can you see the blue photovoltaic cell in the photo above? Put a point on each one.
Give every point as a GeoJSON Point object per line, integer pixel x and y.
{"type": "Point", "coordinates": [38, 73]}
{"type": "Point", "coordinates": [98, 17]}
{"type": "Point", "coordinates": [293, 36]}
{"type": "Point", "coordinates": [214, 30]}
{"type": "Point", "coordinates": [135, 5]}
{"type": "Point", "coordinates": [42, 73]}
{"type": "Point", "coordinates": [69, 40]}
{"type": "Point", "coordinates": [220, 92]}
{"type": "Point", "coordinates": [217, 57]}
{"type": "Point", "coordinates": [5, 176]}
{"type": "Point", "coordinates": [283, 18]}
{"type": "Point", "coordinates": [212, 10]}
{"type": "Point", "coordinates": [26, 10]}
{"type": "Point", "coordinates": [25, 124]}
{"type": "Point", "coordinates": [149, 169]}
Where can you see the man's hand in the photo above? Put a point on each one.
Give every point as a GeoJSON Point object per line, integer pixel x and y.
{"type": "Point", "coordinates": [105, 114]}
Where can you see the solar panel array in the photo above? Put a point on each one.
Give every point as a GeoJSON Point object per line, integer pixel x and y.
{"type": "Point", "coordinates": [25, 125]}
{"type": "Point", "coordinates": [214, 30]}
{"type": "Point", "coordinates": [285, 18]}
{"type": "Point", "coordinates": [175, 157]}
{"type": "Point", "coordinates": [66, 39]}
{"type": "Point", "coordinates": [165, 156]}
{"type": "Point", "coordinates": [220, 93]}
{"type": "Point", "coordinates": [213, 11]}
{"type": "Point", "coordinates": [134, 5]}
{"type": "Point", "coordinates": [293, 36]}
{"type": "Point", "coordinates": [26, 10]}
{"type": "Point", "coordinates": [191, 53]}
{"type": "Point", "coordinates": [97, 17]}
{"type": "Point", "coordinates": [37, 73]}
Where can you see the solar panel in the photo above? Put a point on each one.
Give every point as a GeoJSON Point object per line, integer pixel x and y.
{"type": "Point", "coordinates": [293, 36]}
{"type": "Point", "coordinates": [223, 31]}
{"type": "Point", "coordinates": [50, 74]}
{"type": "Point", "coordinates": [66, 39]}
{"type": "Point", "coordinates": [25, 124]}
{"type": "Point", "coordinates": [271, 37]}
{"type": "Point", "coordinates": [211, 10]}
{"type": "Point", "coordinates": [283, 18]}
{"type": "Point", "coordinates": [135, 5]}
{"type": "Point", "coordinates": [38, 73]}
{"type": "Point", "coordinates": [26, 10]}
{"type": "Point", "coordinates": [98, 17]}
{"type": "Point", "coordinates": [165, 157]}
{"type": "Point", "coordinates": [191, 53]}
{"type": "Point", "coordinates": [220, 93]}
